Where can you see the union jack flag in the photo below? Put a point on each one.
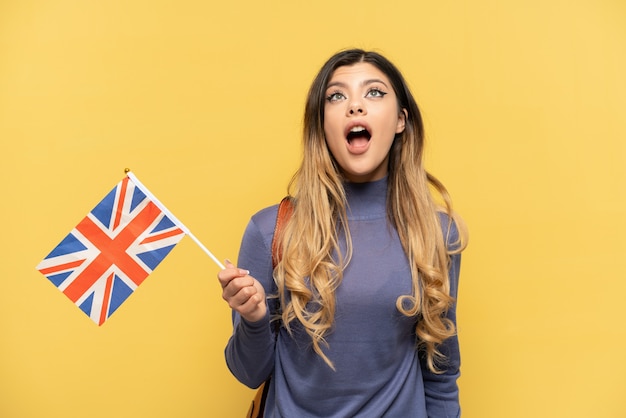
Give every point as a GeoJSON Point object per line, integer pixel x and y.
{"type": "Point", "coordinates": [112, 251]}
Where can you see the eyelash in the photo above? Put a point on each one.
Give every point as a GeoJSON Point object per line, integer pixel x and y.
{"type": "Point", "coordinates": [379, 93]}
{"type": "Point", "coordinates": [331, 96]}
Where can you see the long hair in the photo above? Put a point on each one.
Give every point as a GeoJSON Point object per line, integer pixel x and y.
{"type": "Point", "coordinates": [312, 264]}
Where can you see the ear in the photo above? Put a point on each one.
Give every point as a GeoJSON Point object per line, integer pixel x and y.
{"type": "Point", "coordinates": [402, 117]}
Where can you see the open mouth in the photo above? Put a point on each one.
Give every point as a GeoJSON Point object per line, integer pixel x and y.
{"type": "Point", "coordinates": [358, 135]}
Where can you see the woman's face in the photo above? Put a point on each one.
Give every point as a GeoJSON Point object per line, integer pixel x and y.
{"type": "Point", "coordinates": [361, 119]}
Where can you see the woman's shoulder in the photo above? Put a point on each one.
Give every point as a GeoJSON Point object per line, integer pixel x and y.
{"type": "Point", "coordinates": [265, 219]}
{"type": "Point", "coordinates": [260, 230]}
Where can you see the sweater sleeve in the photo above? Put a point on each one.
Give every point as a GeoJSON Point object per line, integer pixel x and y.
{"type": "Point", "coordinates": [441, 390]}
{"type": "Point", "coordinates": [250, 350]}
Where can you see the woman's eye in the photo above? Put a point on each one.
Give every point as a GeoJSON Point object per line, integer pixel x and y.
{"type": "Point", "coordinates": [375, 93]}
{"type": "Point", "coordinates": [335, 97]}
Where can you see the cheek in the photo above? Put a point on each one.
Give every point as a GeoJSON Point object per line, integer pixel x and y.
{"type": "Point", "coordinates": [333, 142]}
{"type": "Point", "coordinates": [333, 131]}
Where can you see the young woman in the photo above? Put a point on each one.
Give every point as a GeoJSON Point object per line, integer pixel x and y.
{"type": "Point", "coordinates": [364, 294]}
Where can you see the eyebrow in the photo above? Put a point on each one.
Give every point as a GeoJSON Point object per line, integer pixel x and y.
{"type": "Point", "coordinates": [364, 83]}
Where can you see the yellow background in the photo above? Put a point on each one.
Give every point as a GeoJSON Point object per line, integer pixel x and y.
{"type": "Point", "coordinates": [524, 105]}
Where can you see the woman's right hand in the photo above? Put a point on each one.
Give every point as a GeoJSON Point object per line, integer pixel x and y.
{"type": "Point", "coordinates": [243, 292]}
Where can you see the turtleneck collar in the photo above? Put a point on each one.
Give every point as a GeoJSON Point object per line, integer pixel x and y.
{"type": "Point", "coordinates": [367, 200]}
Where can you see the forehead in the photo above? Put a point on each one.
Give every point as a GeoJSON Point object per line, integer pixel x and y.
{"type": "Point", "coordinates": [357, 74]}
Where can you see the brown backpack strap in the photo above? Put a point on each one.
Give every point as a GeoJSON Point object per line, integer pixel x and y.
{"type": "Point", "coordinates": [285, 209]}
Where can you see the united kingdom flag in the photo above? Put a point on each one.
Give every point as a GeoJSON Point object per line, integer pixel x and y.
{"type": "Point", "coordinates": [111, 251]}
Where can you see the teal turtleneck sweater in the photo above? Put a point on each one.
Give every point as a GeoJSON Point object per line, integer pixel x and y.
{"type": "Point", "coordinates": [378, 372]}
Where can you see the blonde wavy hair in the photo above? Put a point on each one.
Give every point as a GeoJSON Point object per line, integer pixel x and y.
{"type": "Point", "coordinates": [311, 267]}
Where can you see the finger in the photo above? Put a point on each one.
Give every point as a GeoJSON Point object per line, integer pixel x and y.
{"type": "Point", "coordinates": [235, 285]}
{"type": "Point", "coordinates": [250, 307]}
{"type": "Point", "coordinates": [249, 304]}
{"type": "Point", "coordinates": [229, 273]}
{"type": "Point", "coordinates": [230, 265]}
{"type": "Point", "coordinates": [226, 277]}
{"type": "Point", "coordinates": [240, 293]}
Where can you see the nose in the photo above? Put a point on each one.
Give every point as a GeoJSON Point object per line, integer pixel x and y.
{"type": "Point", "coordinates": [356, 108]}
